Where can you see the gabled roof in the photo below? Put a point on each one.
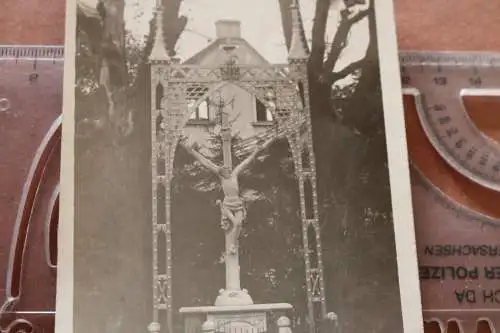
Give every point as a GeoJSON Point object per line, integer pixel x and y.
{"type": "Point", "coordinates": [215, 45]}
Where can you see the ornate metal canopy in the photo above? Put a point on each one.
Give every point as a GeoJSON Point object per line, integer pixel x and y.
{"type": "Point", "coordinates": [172, 86]}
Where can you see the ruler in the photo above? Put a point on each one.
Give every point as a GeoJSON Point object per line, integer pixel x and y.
{"type": "Point", "coordinates": [455, 186]}
{"type": "Point", "coordinates": [30, 125]}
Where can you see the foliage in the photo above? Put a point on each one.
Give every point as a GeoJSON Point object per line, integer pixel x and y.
{"type": "Point", "coordinates": [355, 202]}
{"type": "Point", "coordinates": [271, 258]}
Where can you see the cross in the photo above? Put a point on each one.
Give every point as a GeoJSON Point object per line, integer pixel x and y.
{"type": "Point", "coordinates": [232, 206]}
{"type": "Point", "coordinates": [220, 104]}
{"type": "Point", "coordinates": [231, 262]}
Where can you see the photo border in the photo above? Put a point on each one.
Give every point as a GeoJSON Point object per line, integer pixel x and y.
{"type": "Point", "coordinates": [64, 318]}
{"type": "Point", "coordinates": [399, 167]}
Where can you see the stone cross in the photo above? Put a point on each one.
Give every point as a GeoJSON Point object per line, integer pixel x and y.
{"type": "Point", "coordinates": [231, 259]}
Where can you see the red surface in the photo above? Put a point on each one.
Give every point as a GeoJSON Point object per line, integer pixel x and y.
{"type": "Point", "coordinates": [34, 107]}
{"type": "Point", "coordinates": [32, 22]}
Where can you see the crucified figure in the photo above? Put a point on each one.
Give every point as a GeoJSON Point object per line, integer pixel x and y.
{"type": "Point", "coordinates": [232, 207]}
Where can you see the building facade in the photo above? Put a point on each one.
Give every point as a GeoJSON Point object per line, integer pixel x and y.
{"type": "Point", "coordinates": [248, 114]}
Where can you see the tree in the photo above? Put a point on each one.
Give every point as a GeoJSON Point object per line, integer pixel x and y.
{"type": "Point", "coordinates": [113, 169]}
{"type": "Point", "coordinates": [103, 29]}
{"type": "Point", "coordinates": [353, 180]}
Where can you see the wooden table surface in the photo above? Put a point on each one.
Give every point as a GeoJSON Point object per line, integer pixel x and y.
{"type": "Point", "coordinates": [458, 25]}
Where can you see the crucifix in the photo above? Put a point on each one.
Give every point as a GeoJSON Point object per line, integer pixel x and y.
{"type": "Point", "coordinates": [233, 210]}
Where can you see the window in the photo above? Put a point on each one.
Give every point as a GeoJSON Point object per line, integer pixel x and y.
{"type": "Point", "coordinates": [300, 89]}
{"type": "Point", "coordinates": [159, 95]}
{"type": "Point", "coordinates": [202, 112]}
{"type": "Point", "coordinates": [263, 113]}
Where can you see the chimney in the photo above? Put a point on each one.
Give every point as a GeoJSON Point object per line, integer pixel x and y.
{"type": "Point", "coordinates": [228, 29]}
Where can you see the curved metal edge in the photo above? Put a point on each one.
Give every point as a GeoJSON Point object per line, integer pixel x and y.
{"type": "Point", "coordinates": [490, 322]}
{"type": "Point", "coordinates": [439, 321]}
{"type": "Point", "coordinates": [451, 161]}
{"type": "Point", "coordinates": [5, 308]}
{"type": "Point", "coordinates": [468, 325]}
{"type": "Point", "coordinates": [49, 225]}
{"type": "Point", "coordinates": [25, 209]}
{"type": "Point", "coordinates": [19, 326]}
{"type": "Point", "coordinates": [444, 323]}
{"type": "Point", "coordinates": [449, 203]}
{"type": "Point", "coordinates": [486, 140]}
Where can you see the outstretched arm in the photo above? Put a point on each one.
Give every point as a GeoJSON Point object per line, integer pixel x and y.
{"type": "Point", "coordinates": [246, 162]}
{"type": "Point", "coordinates": [199, 157]}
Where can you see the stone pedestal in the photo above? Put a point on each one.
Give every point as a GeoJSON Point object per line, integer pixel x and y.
{"type": "Point", "coordinates": [233, 298]}
{"type": "Point", "coordinates": [227, 319]}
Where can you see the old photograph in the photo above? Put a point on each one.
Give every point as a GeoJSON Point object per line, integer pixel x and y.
{"type": "Point", "coordinates": [235, 167]}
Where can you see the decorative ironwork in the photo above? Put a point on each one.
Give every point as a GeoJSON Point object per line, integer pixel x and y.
{"type": "Point", "coordinates": [19, 326]}
{"type": "Point", "coordinates": [246, 73]}
{"type": "Point", "coordinates": [162, 298]}
{"type": "Point", "coordinates": [230, 71]}
{"type": "Point", "coordinates": [276, 87]}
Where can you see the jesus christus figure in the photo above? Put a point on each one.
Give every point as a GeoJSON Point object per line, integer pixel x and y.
{"type": "Point", "coordinates": [232, 206]}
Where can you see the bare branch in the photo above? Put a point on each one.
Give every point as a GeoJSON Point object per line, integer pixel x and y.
{"type": "Point", "coordinates": [318, 33]}
{"type": "Point", "coordinates": [113, 29]}
{"type": "Point", "coordinates": [331, 78]}
{"type": "Point", "coordinates": [174, 24]}
{"type": "Point", "coordinates": [340, 40]}
{"type": "Point", "coordinates": [359, 16]}
{"type": "Point", "coordinates": [89, 22]}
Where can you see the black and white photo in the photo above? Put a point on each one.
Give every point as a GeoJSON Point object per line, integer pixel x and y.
{"type": "Point", "coordinates": [235, 166]}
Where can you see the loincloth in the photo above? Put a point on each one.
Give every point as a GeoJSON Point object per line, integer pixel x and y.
{"type": "Point", "coordinates": [231, 206]}
{"type": "Point", "coordinates": [234, 204]}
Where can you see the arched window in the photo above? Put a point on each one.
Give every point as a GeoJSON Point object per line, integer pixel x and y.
{"type": "Point", "coordinates": [300, 88]}
{"type": "Point", "coordinates": [202, 112]}
{"type": "Point", "coordinates": [263, 113]}
{"type": "Point", "coordinates": [159, 95]}
{"type": "Point", "coordinates": [306, 164]}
